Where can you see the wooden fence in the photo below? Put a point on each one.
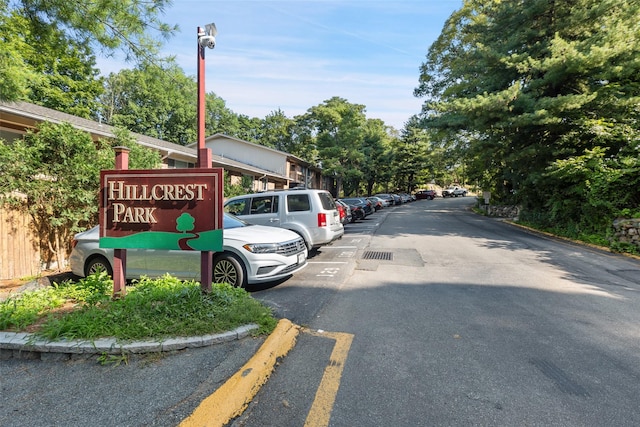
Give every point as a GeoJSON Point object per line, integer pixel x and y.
{"type": "Point", "coordinates": [19, 249]}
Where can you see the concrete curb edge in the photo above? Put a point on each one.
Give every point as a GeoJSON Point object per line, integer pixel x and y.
{"type": "Point", "coordinates": [20, 344]}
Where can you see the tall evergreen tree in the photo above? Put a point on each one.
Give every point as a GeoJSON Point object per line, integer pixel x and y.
{"type": "Point", "coordinates": [535, 81]}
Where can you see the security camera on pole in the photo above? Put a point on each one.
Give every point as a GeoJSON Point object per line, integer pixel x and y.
{"type": "Point", "coordinates": [206, 39]}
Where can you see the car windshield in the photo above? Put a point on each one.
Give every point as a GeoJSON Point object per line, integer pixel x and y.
{"type": "Point", "coordinates": [230, 221]}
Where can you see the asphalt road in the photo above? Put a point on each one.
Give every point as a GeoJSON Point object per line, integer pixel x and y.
{"type": "Point", "coordinates": [424, 314]}
{"type": "Point", "coordinates": [471, 321]}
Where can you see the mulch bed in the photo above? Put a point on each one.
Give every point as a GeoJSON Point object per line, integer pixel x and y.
{"type": "Point", "coordinates": [12, 287]}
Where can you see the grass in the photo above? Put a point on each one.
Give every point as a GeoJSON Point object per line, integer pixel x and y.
{"type": "Point", "coordinates": [152, 309]}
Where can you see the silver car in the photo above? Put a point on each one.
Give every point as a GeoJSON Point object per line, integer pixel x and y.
{"type": "Point", "coordinates": [251, 254]}
{"type": "Point", "coordinates": [311, 213]}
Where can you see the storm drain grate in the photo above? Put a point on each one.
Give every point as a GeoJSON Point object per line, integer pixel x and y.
{"type": "Point", "coordinates": [378, 255]}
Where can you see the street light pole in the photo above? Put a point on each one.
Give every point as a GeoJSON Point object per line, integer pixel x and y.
{"type": "Point", "coordinates": [206, 38]}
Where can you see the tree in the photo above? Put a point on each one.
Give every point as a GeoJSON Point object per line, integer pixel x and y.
{"type": "Point", "coordinates": [303, 141]}
{"type": "Point", "coordinates": [153, 100]}
{"type": "Point", "coordinates": [275, 131]}
{"type": "Point", "coordinates": [129, 26]}
{"type": "Point", "coordinates": [54, 175]}
{"type": "Point", "coordinates": [15, 77]}
{"type": "Point", "coordinates": [219, 118]}
{"type": "Point", "coordinates": [338, 128]}
{"type": "Point", "coordinates": [527, 83]}
{"type": "Point", "coordinates": [376, 147]}
{"type": "Point", "coordinates": [249, 128]}
{"type": "Point", "coordinates": [408, 164]}
{"type": "Point", "coordinates": [69, 80]}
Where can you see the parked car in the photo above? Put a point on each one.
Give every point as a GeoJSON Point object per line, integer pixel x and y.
{"type": "Point", "coordinates": [357, 210]}
{"type": "Point", "coordinates": [406, 198]}
{"type": "Point", "coordinates": [345, 211]}
{"type": "Point", "coordinates": [377, 202]}
{"type": "Point", "coordinates": [311, 213]}
{"type": "Point", "coordinates": [251, 254]}
{"type": "Point", "coordinates": [387, 197]}
{"type": "Point", "coordinates": [454, 192]}
{"type": "Point", "coordinates": [426, 194]}
{"type": "Point", "coordinates": [397, 199]}
{"type": "Point", "coordinates": [362, 202]}
{"type": "Point", "coordinates": [385, 202]}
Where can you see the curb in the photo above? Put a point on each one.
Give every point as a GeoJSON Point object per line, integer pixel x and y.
{"type": "Point", "coordinates": [567, 239]}
{"type": "Point", "coordinates": [22, 345]}
{"type": "Point", "coordinates": [233, 397]}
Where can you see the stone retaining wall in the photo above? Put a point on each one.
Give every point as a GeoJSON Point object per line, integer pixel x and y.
{"type": "Point", "coordinates": [503, 211]}
{"type": "Point", "coordinates": [627, 230]}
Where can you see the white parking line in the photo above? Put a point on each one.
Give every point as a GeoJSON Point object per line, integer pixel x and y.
{"type": "Point", "coordinates": [326, 262]}
{"type": "Point", "coordinates": [339, 247]}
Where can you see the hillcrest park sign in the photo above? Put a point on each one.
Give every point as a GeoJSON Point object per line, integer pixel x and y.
{"type": "Point", "coordinates": [162, 209]}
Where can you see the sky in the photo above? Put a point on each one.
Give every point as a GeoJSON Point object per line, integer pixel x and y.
{"type": "Point", "coordinates": [292, 55]}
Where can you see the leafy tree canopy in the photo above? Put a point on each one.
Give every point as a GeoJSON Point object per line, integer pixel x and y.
{"type": "Point", "coordinates": [338, 128]}
{"type": "Point", "coordinates": [153, 100]}
{"type": "Point", "coordinates": [48, 46]}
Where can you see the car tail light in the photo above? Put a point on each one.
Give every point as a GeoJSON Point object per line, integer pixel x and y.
{"type": "Point", "coordinates": [322, 220]}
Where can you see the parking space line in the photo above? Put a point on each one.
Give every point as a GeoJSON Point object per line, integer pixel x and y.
{"type": "Point", "coordinates": [327, 262]}
{"type": "Point", "coordinates": [322, 406]}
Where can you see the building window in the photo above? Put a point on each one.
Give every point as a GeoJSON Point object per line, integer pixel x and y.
{"type": "Point", "coordinates": [179, 164]}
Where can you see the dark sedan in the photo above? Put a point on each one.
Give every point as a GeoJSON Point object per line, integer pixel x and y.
{"type": "Point", "coordinates": [361, 202]}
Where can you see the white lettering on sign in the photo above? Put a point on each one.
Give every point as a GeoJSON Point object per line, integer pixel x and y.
{"type": "Point", "coordinates": [118, 190]}
{"type": "Point", "coordinates": [136, 215]}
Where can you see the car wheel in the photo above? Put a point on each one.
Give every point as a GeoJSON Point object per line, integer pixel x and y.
{"type": "Point", "coordinates": [227, 268]}
{"type": "Point", "coordinates": [97, 265]}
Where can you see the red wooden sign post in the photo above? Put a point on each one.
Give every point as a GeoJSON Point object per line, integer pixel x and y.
{"type": "Point", "coordinates": [120, 255]}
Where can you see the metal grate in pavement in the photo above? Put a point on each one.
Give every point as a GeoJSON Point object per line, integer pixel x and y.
{"type": "Point", "coordinates": [378, 255]}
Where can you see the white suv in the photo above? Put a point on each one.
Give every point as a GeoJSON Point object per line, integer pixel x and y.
{"type": "Point", "coordinates": [311, 213]}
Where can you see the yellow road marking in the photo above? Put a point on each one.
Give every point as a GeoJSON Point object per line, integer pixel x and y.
{"type": "Point", "coordinates": [232, 398]}
{"type": "Point", "coordinates": [322, 406]}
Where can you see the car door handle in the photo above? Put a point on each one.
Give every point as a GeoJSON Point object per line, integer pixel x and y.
{"type": "Point", "coordinates": [274, 219]}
